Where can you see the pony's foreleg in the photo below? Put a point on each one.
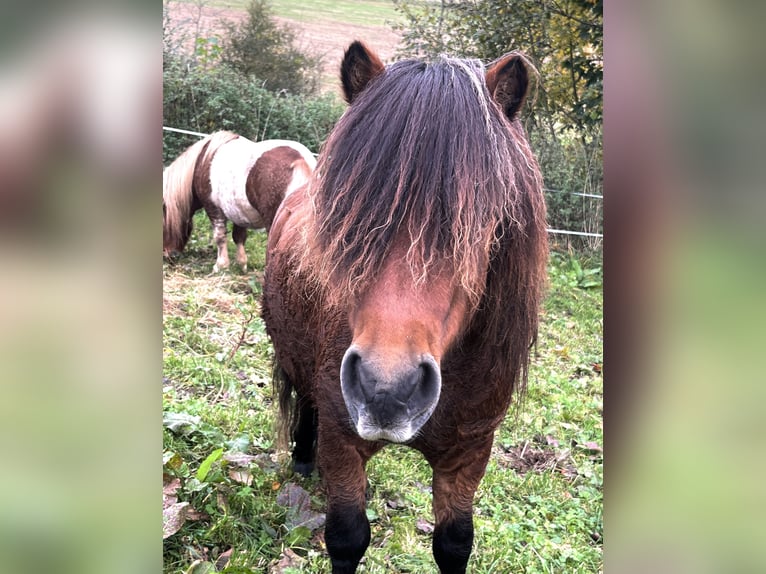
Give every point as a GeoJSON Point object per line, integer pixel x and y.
{"type": "Point", "coordinates": [305, 436]}
{"type": "Point", "coordinates": [239, 234]}
{"type": "Point", "coordinates": [347, 530]}
{"type": "Point", "coordinates": [219, 237]}
{"type": "Point", "coordinates": [454, 485]}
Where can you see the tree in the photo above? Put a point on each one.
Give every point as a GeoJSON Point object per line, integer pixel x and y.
{"type": "Point", "coordinates": [564, 38]}
{"type": "Point", "coordinates": [260, 47]}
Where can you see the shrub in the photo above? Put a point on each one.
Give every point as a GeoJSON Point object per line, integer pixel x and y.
{"type": "Point", "coordinates": [208, 100]}
{"type": "Point", "coordinates": [260, 47]}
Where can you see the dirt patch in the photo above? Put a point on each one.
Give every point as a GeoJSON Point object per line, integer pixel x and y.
{"type": "Point", "coordinates": [219, 294]}
{"type": "Point", "coordinates": [531, 457]}
{"type": "Point", "coordinates": [324, 38]}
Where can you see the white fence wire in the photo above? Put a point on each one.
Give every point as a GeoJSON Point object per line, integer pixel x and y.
{"type": "Point", "coordinates": [556, 231]}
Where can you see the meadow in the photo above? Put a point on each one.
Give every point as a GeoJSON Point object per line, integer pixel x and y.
{"type": "Point", "coordinates": [232, 503]}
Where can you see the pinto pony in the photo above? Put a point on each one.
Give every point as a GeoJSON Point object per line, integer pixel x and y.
{"type": "Point", "coordinates": [402, 286]}
{"type": "Point", "coordinates": [233, 179]}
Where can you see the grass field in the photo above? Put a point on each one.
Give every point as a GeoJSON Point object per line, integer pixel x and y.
{"type": "Point", "coordinates": [537, 510]}
{"type": "Point", "coordinates": [360, 12]}
{"type": "Point", "coordinates": [323, 28]}
{"type": "Point", "coordinates": [364, 13]}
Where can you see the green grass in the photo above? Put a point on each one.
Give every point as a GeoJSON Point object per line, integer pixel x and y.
{"type": "Point", "coordinates": [217, 363]}
{"type": "Point", "coordinates": [359, 12]}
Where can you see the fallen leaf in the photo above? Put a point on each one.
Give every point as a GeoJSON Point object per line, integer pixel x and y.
{"type": "Point", "coordinates": [593, 446]}
{"type": "Point", "coordinates": [173, 518]}
{"type": "Point", "coordinates": [223, 559]}
{"type": "Point", "coordinates": [239, 459]}
{"type": "Point", "coordinates": [289, 559]}
{"type": "Point", "coordinates": [172, 460]}
{"type": "Point", "coordinates": [169, 492]}
{"type": "Point", "coordinates": [241, 476]}
{"type": "Point", "coordinates": [180, 423]}
{"type": "Point", "coordinates": [298, 503]}
{"type": "Point", "coordinates": [424, 526]}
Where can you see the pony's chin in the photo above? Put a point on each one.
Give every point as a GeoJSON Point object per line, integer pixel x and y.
{"type": "Point", "coordinates": [402, 434]}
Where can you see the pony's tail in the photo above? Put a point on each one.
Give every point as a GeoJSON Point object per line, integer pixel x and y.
{"type": "Point", "coordinates": [177, 198]}
{"type": "Point", "coordinates": [179, 187]}
{"type": "Point", "coordinates": [287, 416]}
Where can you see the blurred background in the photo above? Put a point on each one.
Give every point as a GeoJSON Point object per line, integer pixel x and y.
{"type": "Point", "coordinates": [80, 286]}
{"type": "Point", "coordinates": [685, 270]}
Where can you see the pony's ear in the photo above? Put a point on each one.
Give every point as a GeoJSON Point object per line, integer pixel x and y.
{"type": "Point", "coordinates": [360, 65]}
{"type": "Point", "coordinates": [507, 81]}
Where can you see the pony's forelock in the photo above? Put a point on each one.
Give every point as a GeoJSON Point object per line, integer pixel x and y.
{"type": "Point", "coordinates": [426, 152]}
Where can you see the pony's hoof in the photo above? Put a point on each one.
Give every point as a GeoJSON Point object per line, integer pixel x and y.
{"type": "Point", "coordinates": [303, 468]}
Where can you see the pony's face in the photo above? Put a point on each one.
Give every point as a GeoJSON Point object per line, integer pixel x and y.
{"type": "Point", "coordinates": [390, 374]}
{"type": "Point", "coordinates": [421, 213]}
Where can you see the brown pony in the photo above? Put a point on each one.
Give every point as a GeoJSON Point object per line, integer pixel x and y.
{"type": "Point", "coordinates": [402, 286]}
{"type": "Point", "coordinates": [233, 179]}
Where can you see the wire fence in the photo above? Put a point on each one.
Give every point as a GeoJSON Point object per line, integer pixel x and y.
{"type": "Point", "coordinates": [554, 231]}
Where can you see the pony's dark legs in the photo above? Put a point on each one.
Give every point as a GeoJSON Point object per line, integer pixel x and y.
{"type": "Point", "coordinates": [347, 535]}
{"type": "Point", "coordinates": [452, 544]}
{"type": "Point", "coordinates": [239, 234]}
{"type": "Point", "coordinates": [304, 436]}
{"type": "Point", "coordinates": [347, 530]}
{"type": "Point", "coordinates": [456, 478]}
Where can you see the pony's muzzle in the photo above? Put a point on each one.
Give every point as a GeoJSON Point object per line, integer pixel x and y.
{"type": "Point", "coordinates": [389, 403]}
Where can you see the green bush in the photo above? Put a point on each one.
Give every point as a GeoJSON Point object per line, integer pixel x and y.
{"type": "Point", "coordinates": [220, 98]}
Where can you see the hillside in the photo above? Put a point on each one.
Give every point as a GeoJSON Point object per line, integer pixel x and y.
{"type": "Point", "coordinates": [323, 29]}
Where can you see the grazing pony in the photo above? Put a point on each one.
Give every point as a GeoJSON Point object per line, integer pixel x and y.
{"type": "Point", "coordinates": [233, 179]}
{"type": "Point", "coordinates": [402, 286]}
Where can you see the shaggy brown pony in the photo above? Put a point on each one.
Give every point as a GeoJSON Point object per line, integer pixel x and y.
{"type": "Point", "coordinates": [233, 179]}
{"type": "Point", "coordinates": [402, 286]}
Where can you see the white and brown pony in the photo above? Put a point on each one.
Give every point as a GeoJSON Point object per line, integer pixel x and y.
{"type": "Point", "coordinates": [233, 179]}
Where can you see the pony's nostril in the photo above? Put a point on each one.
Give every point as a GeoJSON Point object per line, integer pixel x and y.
{"type": "Point", "coordinates": [353, 378]}
{"type": "Point", "coordinates": [428, 381]}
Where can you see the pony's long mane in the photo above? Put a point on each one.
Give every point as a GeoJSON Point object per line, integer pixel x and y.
{"type": "Point", "coordinates": [423, 150]}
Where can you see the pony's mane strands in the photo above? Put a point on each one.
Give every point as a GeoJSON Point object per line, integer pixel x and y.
{"type": "Point", "coordinates": [423, 150]}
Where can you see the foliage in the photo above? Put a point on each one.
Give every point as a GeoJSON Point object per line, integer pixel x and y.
{"type": "Point", "coordinates": [563, 37]}
{"type": "Point", "coordinates": [259, 47]}
{"type": "Point", "coordinates": [572, 272]}
{"type": "Point", "coordinates": [207, 100]}
{"type": "Point", "coordinates": [571, 170]}
{"type": "Point", "coordinates": [538, 508]}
